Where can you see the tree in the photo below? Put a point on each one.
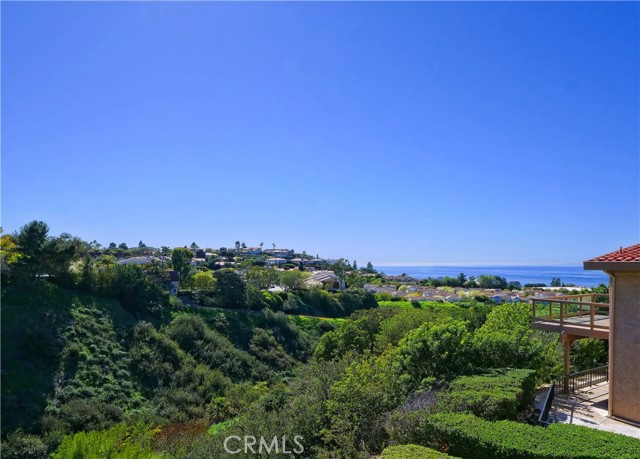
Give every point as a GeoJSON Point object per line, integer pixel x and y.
{"type": "Point", "coordinates": [203, 281]}
{"type": "Point", "coordinates": [514, 285]}
{"type": "Point", "coordinates": [293, 280]}
{"type": "Point", "coordinates": [230, 288]}
{"type": "Point", "coordinates": [237, 246]}
{"type": "Point", "coordinates": [181, 261]}
{"type": "Point", "coordinates": [370, 268]}
{"type": "Point", "coordinates": [488, 281]}
{"type": "Point", "coordinates": [462, 278]}
{"type": "Point", "coordinates": [9, 255]}
{"type": "Point", "coordinates": [60, 252]}
{"type": "Point", "coordinates": [556, 282]}
{"type": "Point", "coordinates": [123, 246]}
{"type": "Point", "coordinates": [112, 245]}
{"type": "Point", "coordinates": [441, 351]}
{"type": "Point", "coordinates": [141, 245]}
{"type": "Point", "coordinates": [262, 278]}
{"type": "Point", "coordinates": [194, 245]}
{"type": "Point", "coordinates": [31, 240]}
{"type": "Point", "coordinates": [355, 265]}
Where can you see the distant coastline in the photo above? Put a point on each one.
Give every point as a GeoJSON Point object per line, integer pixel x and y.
{"type": "Point", "coordinates": [524, 274]}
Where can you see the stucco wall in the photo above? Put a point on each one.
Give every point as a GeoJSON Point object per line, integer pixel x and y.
{"type": "Point", "coordinates": [624, 397]}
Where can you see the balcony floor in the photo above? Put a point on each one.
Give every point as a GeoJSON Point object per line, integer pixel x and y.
{"type": "Point", "coordinates": [576, 325]}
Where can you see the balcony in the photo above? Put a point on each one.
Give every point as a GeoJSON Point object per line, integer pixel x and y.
{"type": "Point", "coordinates": [581, 316]}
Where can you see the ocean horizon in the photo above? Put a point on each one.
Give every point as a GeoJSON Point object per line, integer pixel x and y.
{"type": "Point", "coordinates": [525, 274]}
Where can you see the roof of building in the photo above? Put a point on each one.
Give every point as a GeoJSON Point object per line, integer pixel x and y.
{"type": "Point", "coordinates": [624, 259]}
{"type": "Point", "coordinates": [136, 261]}
{"type": "Point", "coordinates": [631, 253]}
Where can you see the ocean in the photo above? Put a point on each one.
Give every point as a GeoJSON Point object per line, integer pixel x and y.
{"type": "Point", "coordinates": [523, 274]}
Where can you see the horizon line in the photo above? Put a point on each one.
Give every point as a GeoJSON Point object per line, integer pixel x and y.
{"type": "Point", "coordinates": [471, 264]}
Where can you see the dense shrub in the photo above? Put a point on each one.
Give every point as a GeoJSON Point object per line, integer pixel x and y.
{"type": "Point", "coordinates": [469, 436]}
{"type": "Point", "coordinates": [412, 452]}
{"type": "Point", "coordinates": [19, 445]}
{"type": "Point", "coordinates": [177, 386]}
{"type": "Point", "coordinates": [506, 340]}
{"type": "Point", "coordinates": [493, 397]}
{"type": "Point", "coordinates": [92, 387]}
{"type": "Point", "coordinates": [589, 353]}
{"type": "Point", "coordinates": [440, 351]}
{"type": "Point", "coordinates": [121, 441]}
{"type": "Point", "coordinates": [213, 349]}
{"type": "Point", "coordinates": [358, 334]}
{"type": "Point", "coordinates": [358, 405]}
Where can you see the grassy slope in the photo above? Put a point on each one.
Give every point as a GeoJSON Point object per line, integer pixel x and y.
{"type": "Point", "coordinates": [32, 323]}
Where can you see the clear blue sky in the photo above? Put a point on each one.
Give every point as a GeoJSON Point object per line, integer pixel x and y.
{"type": "Point", "coordinates": [415, 132]}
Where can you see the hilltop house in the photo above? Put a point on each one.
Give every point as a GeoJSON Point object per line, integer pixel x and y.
{"type": "Point", "coordinates": [614, 317]}
{"type": "Point", "coordinates": [623, 268]}
{"type": "Point", "coordinates": [252, 251]}
{"type": "Point", "coordinates": [278, 253]}
{"type": "Point", "coordinates": [276, 261]}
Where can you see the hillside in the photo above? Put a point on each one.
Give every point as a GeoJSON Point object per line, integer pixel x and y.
{"type": "Point", "coordinates": [74, 361]}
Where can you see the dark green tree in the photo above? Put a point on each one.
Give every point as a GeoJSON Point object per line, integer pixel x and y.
{"type": "Point", "coordinates": [31, 240]}
{"type": "Point", "coordinates": [230, 289]}
{"type": "Point", "coordinates": [181, 261]}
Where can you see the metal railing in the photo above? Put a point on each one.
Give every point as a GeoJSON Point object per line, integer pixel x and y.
{"type": "Point", "coordinates": [582, 379]}
{"type": "Point", "coordinates": [583, 310]}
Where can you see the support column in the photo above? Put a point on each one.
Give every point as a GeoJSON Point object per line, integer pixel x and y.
{"type": "Point", "coordinates": [567, 364]}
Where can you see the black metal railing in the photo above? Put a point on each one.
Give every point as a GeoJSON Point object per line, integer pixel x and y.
{"type": "Point", "coordinates": [586, 378]}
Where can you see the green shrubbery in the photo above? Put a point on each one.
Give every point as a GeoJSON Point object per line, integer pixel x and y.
{"type": "Point", "coordinates": [412, 452]}
{"type": "Point", "coordinates": [119, 442]}
{"type": "Point", "coordinates": [213, 349]}
{"type": "Point", "coordinates": [495, 396]}
{"type": "Point", "coordinates": [469, 436]}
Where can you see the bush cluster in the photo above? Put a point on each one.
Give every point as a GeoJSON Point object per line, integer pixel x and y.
{"type": "Point", "coordinates": [469, 436]}
{"type": "Point", "coordinates": [493, 396]}
{"type": "Point", "coordinates": [413, 452]}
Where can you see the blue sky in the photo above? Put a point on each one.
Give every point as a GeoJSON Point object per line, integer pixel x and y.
{"type": "Point", "coordinates": [396, 133]}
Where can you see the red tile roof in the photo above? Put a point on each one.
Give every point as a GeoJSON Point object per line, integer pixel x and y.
{"type": "Point", "coordinates": [631, 253]}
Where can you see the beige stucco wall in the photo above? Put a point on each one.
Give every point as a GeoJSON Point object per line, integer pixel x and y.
{"type": "Point", "coordinates": [624, 346]}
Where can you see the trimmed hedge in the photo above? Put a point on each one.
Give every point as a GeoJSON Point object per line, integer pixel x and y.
{"type": "Point", "coordinates": [469, 436]}
{"type": "Point", "coordinates": [413, 452]}
{"type": "Point", "coordinates": [492, 397]}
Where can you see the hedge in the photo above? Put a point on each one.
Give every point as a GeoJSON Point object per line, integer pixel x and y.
{"type": "Point", "coordinates": [471, 437]}
{"type": "Point", "coordinates": [413, 452]}
{"type": "Point", "coordinates": [492, 397]}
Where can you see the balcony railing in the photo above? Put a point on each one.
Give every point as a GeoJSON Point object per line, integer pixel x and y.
{"type": "Point", "coordinates": [582, 379]}
{"type": "Point", "coordinates": [584, 311]}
